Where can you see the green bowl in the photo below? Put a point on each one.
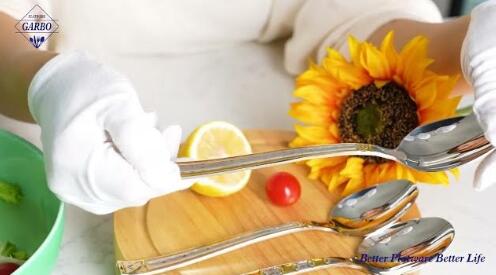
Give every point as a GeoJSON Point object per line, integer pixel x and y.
{"type": "Point", "coordinates": [36, 224]}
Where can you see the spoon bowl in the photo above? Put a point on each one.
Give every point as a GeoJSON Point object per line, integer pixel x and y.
{"type": "Point", "coordinates": [444, 144]}
{"type": "Point", "coordinates": [405, 246]}
{"type": "Point", "coordinates": [373, 208]}
{"type": "Point", "coordinates": [399, 249]}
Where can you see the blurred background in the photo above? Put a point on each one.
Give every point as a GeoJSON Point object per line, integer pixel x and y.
{"type": "Point", "coordinates": [456, 7]}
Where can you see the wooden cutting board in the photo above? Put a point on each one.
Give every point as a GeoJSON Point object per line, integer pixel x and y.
{"type": "Point", "coordinates": [185, 219]}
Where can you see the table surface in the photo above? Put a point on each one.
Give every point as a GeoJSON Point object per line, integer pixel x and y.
{"type": "Point", "coordinates": [246, 85]}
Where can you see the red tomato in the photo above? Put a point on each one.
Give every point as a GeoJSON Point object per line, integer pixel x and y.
{"type": "Point", "coordinates": [8, 268]}
{"type": "Point", "coordinates": [283, 189]}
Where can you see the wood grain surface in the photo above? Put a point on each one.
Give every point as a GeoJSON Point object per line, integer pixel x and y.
{"type": "Point", "coordinates": [185, 219]}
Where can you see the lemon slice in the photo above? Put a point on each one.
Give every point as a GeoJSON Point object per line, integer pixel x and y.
{"type": "Point", "coordinates": [218, 139]}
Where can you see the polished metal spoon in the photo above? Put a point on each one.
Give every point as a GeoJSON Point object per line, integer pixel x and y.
{"type": "Point", "coordinates": [399, 249]}
{"type": "Point", "coordinates": [358, 214]}
{"type": "Point", "coordinates": [436, 146]}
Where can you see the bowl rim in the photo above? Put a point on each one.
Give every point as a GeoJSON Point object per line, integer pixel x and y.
{"type": "Point", "coordinates": [61, 211]}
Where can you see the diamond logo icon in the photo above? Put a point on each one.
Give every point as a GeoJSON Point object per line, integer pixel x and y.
{"type": "Point", "coordinates": [37, 26]}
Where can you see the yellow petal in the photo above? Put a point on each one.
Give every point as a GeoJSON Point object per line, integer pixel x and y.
{"type": "Point", "coordinates": [318, 166]}
{"type": "Point", "coordinates": [413, 61]}
{"type": "Point", "coordinates": [310, 113]}
{"type": "Point", "coordinates": [456, 173]}
{"type": "Point", "coordinates": [399, 171]}
{"type": "Point", "coordinates": [299, 142]}
{"type": "Point", "coordinates": [409, 175]}
{"type": "Point", "coordinates": [380, 83]}
{"type": "Point", "coordinates": [439, 110]}
{"type": "Point", "coordinates": [334, 183]}
{"type": "Point", "coordinates": [313, 94]}
{"type": "Point", "coordinates": [334, 131]}
{"type": "Point", "coordinates": [315, 134]}
{"type": "Point", "coordinates": [389, 51]}
{"type": "Point", "coordinates": [353, 168]}
{"type": "Point", "coordinates": [326, 162]}
{"type": "Point", "coordinates": [348, 74]}
{"type": "Point", "coordinates": [337, 180]}
{"type": "Point", "coordinates": [355, 48]}
{"type": "Point", "coordinates": [319, 77]}
{"type": "Point", "coordinates": [371, 173]}
{"type": "Point", "coordinates": [431, 177]}
{"type": "Point", "coordinates": [445, 85]}
{"type": "Point", "coordinates": [326, 178]}
{"type": "Point", "coordinates": [426, 95]}
{"type": "Point", "coordinates": [375, 62]}
{"type": "Point", "coordinates": [353, 185]}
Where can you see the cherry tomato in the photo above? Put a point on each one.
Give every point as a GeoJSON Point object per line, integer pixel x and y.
{"type": "Point", "coordinates": [283, 189]}
{"type": "Point", "coordinates": [8, 268]}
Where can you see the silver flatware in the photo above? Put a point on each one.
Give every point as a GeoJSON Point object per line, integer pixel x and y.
{"type": "Point", "coordinates": [399, 249]}
{"type": "Point", "coordinates": [358, 214]}
{"type": "Point", "coordinates": [436, 146]}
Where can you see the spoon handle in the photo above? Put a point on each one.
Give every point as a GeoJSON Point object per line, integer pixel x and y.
{"type": "Point", "coordinates": [309, 265]}
{"type": "Point", "coordinates": [201, 168]}
{"type": "Point", "coordinates": [187, 257]}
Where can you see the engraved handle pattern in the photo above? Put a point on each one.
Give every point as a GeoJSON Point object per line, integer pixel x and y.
{"type": "Point", "coordinates": [191, 169]}
{"type": "Point", "coordinates": [307, 266]}
{"type": "Point", "coordinates": [187, 257]}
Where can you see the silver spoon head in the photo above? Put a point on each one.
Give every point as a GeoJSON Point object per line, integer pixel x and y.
{"type": "Point", "coordinates": [373, 208]}
{"type": "Point", "coordinates": [444, 144]}
{"type": "Point", "coordinates": [406, 246]}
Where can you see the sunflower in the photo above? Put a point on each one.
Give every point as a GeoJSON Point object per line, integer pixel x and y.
{"type": "Point", "coordinates": [376, 97]}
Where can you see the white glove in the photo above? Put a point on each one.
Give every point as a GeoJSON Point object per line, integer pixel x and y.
{"type": "Point", "coordinates": [478, 60]}
{"type": "Point", "coordinates": [102, 151]}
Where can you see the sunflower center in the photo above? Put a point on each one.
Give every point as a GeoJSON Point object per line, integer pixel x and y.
{"type": "Point", "coordinates": [381, 116]}
{"type": "Point", "coordinates": [368, 121]}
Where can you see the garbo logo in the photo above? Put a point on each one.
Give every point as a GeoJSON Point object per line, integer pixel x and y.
{"type": "Point", "coordinates": [37, 26]}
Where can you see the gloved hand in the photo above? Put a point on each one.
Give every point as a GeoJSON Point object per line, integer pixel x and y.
{"type": "Point", "coordinates": [102, 151]}
{"type": "Point", "coordinates": [478, 60]}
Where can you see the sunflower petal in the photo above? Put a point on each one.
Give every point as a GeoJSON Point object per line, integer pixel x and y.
{"type": "Point", "coordinates": [313, 94]}
{"type": "Point", "coordinates": [431, 177]}
{"type": "Point", "coordinates": [299, 142]}
{"type": "Point", "coordinates": [353, 168]}
{"type": "Point", "coordinates": [439, 110]}
{"type": "Point", "coordinates": [456, 173]}
{"type": "Point", "coordinates": [353, 185]}
{"type": "Point", "coordinates": [426, 95]}
{"type": "Point", "coordinates": [413, 61]}
{"type": "Point", "coordinates": [310, 113]}
{"type": "Point", "coordinates": [319, 167]}
{"type": "Point", "coordinates": [315, 134]}
{"type": "Point", "coordinates": [319, 77]}
{"type": "Point", "coordinates": [389, 51]}
{"type": "Point", "coordinates": [375, 62]}
{"type": "Point", "coordinates": [445, 85]}
{"type": "Point", "coordinates": [355, 48]}
{"type": "Point", "coordinates": [348, 74]}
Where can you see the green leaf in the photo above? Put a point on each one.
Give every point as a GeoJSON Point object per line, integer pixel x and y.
{"type": "Point", "coordinates": [20, 255]}
{"type": "Point", "coordinates": [10, 193]}
{"type": "Point", "coordinates": [9, 250]}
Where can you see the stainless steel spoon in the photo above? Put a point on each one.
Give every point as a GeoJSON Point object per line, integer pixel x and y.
{"type": "Point", "coordinates": [400, 249]}
{"type": "Point", "coordinates": [358, 214]}
{"type": "Point", "coordinates": [436, 146]}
